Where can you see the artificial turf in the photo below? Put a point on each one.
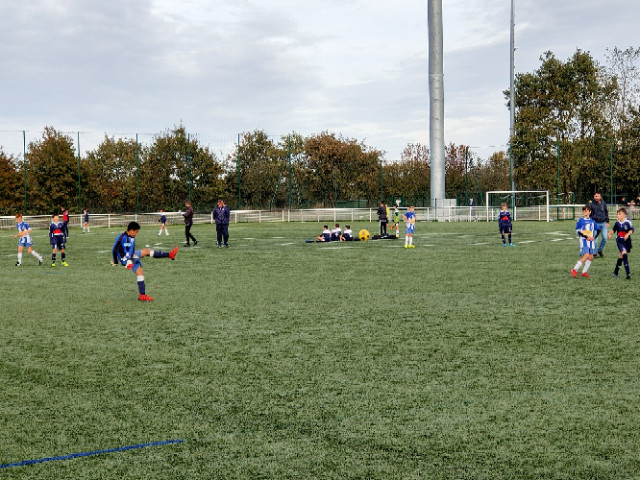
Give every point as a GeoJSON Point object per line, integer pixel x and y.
{"type": "Point", "coordinates": [277, 358]}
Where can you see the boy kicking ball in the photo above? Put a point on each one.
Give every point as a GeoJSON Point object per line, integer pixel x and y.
{"type": "Point", "coordinates": [585, 227]}
{"type": "Point", "coordinates": [623, 229]}
{"type": "Point", "coordinates": [125, 253]}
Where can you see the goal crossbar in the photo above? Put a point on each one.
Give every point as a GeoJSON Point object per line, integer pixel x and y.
{"type": "Point", "coordinates": [515, 192]}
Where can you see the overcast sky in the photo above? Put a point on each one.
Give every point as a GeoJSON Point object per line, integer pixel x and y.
{"type": "Point", "coordinates": [354, 67]}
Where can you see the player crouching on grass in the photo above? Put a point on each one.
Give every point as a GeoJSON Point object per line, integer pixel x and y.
{"type": "Point", "coordinates": [124, 252]}
{"type": "Point", "coordinates": [586, 227]}
{"type": "Point", "coordinates": [623, 229]}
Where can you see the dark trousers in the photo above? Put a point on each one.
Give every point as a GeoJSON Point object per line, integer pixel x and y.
{"type": "Point", "coordinates": [187, 234]}
{"type": "Point", "coordinates": [383, 227]}
{"type": "Point", "coordinates": [65, 229]}
{"type": "Point", "coordinates": [222, 230]}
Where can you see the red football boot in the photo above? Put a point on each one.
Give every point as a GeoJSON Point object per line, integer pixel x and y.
{"type": "Point", "coordinates": [585, 275]}
{"type": "Point", "coordinates": [145, 298]}
{"type": "Point", "coordinates": [173, 253]}
{"type": "Point", "coordinates": [574, 273]}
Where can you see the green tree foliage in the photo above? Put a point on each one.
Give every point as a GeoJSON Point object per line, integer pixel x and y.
{"type": "Point", "coordinates": [562, 104]}
{"type": "Point", "coordinates": [52, 173]}
{"type": "Point", "coordinates": [109, 176]}
{"type": "Point", "coordinates": [339, 168]}
{"type": "Point", "coordinates": [11, 185]}
{"type": "Point", "coordinates": [259, 169]}
{"type": "Point", "coordinates": [175, 167]}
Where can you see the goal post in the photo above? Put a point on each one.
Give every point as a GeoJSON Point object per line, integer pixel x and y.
{"type": "Point", "coordinates": [526, 204]}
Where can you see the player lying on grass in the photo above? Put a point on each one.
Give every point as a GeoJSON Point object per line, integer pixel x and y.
{"type": "Point", "coordinates": [125, 253]}
{"type": "Point", "coordinates": [623, 229]}
{"type": "Point", "coordinates": [586, 227]}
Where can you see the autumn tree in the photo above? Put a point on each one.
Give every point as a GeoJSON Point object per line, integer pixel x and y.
{"type": "Point", "coordinates": [52, 173]}
{"type": "Point", "coordinates": [109, 176]}
{"type": "Point", "coordinates": [11, 185]}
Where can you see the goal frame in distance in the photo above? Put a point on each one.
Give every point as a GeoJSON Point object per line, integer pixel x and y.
{"type": "Point", "coordinates": [487, 194]}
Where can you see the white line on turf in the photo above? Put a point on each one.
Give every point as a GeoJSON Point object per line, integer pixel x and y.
{"type": "Point", "coordinates": [284, 244]}
{"type": "Point", "coordinates": [528, 241]}
{"type": "Point", "coordinates": [482, 243]}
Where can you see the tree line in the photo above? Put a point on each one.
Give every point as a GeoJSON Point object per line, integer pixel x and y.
{"type": "Point", "coordinates": [577, 131]}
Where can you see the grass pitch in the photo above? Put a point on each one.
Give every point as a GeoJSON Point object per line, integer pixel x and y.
{"type": "Point", "coordinates": [280, 359]}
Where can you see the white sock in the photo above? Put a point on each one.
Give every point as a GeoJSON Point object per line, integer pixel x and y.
{"type": "Point", "coordinates": [19, 257]}
{"type": "Point", "coordinates": [160, 232]}
{"type": "Point", "coordinates": [406, 240]}
{"type": "Point", "coordinates": [166, 231]}
{"type": "Point", "coordinates": [578, 265]}
{"type": "Point", "coordinates": [88, 229]}
{"type": "Point", "coordinates": [151, 253]}
{"type": "Point", "coordinates": [140, 278]}
{"type": "Point", "coordinates": [587, 264]}
{"type": "Point", "coordinates": [411, 240]}
{"type": "Point", "coordinates": [35, 254]}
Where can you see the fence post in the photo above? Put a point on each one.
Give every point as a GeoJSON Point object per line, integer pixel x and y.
{"type": "Point", "coordinates": [24, 163]}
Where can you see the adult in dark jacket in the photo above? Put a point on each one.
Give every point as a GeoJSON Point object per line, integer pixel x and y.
{"type": "Point", "coordinates": [382, 218]}
{"type": "Point", "coordinates": [188, 222]}
{"type": "Point", "coordinates": [221, 214]}
{"type": "Point", "coordinates": [600, 215]}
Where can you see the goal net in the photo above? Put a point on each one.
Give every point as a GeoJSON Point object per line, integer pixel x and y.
{"type": "Point", "coordinates": [523, 204]}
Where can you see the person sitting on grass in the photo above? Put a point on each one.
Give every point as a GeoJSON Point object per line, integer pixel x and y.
{"type": "Point", "coordinates": [347, 235]}
{"type": "Point", "coordinates": [325, 236]}
{"type": "Point", "coordinates": [336, 234]}
{"type": "Point", "coordinates": [124, 252]}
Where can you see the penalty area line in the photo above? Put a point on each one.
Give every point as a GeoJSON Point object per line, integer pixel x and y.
{"type": "Point", "coordinates": [87, 454]}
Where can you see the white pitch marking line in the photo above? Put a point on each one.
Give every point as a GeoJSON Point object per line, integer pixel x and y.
{"type": "Point", "coordinates": [559, 239]}
{"type": "Point", "coordinates": [477, 244]}
{"type": "Point", "coordinates": [557, 233]}
{"type": "Point", "coordinates": [248, 239]}
{"type": "Point", "coordinates": [278, 238]}
{"type": "Point", "coordinates": [284, 244]}
{"type": "Point", "coordinates": [528, 241]}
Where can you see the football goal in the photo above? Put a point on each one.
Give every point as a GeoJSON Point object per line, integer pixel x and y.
{"type": "Point", "coordinates": [523, 204]}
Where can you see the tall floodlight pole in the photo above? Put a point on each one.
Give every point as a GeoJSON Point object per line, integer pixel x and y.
{"type": "Point", "coordinates": [512, 92]}
{"type": "Point", "coordinates": [436, 103]}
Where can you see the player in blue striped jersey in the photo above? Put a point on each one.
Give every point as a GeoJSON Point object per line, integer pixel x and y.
{"type": "Point", "coordinates": [24, 232]}
{"type": "Point", "coordinates": [504, 224]}
{"type": "Point", "coordinates": [623, 229]}
{"type": "Point", "coordinates": [125, 253]}
{"type": "Point", "coordinates": [410, 219]}
{"type": "Point", "coordinates": [587, 230]}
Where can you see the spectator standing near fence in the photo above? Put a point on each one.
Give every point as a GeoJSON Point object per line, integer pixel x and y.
{"type": "Point", "coordinates": [600, 215]}
{"type": "Point", "coordinates": [188, 222]}
{"type": "Point", "coordinates": [221, 215]}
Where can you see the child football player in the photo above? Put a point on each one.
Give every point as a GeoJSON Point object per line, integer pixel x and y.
{"type": "Point", "coordinates": [336, 233]}
{"type": "Point", "coordinates": [623, 229]}
{"type": "Point", "coordinates": [504, 223]}
{"type": "Point", "coordinates": [125, 253]}
{"type": "Point", "coordinates": [24, 232]}
{"type": "Point", "coordinates": [56, 239]}
{"type": "Point", "coordinates": [586, 228]}
{"type": "Point", "coordinates": [410, 218]}
{"type": "Point", "coordinates": [163, 223]}
{"type": "Point", "coordinates": [396, 220]}
{"type": "Point", "coordinates": [347, 235]}
{"type": "Point", "coordinates": [85, 220]}
{"type": "Point", "coordinates": [325, 236]}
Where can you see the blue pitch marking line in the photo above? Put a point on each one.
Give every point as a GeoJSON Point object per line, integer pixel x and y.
{"type": "Point", "coordinates": [86, 454]}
